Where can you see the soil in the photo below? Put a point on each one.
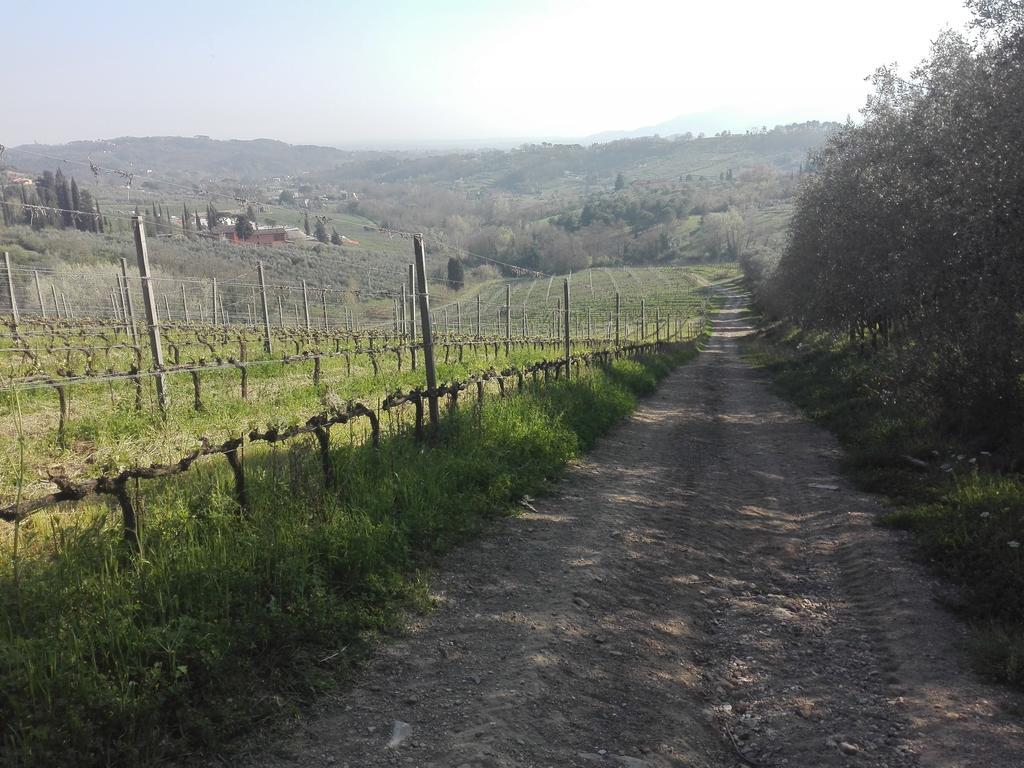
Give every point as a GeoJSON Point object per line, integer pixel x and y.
{"type": "Point", "coordinates": [703, 589]}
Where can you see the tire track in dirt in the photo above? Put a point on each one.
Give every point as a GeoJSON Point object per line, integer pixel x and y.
{"type": "Point", "coordinates": [701, 590]}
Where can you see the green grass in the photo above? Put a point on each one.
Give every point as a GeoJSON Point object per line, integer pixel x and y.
{"type": "Point", "coordinates": [675, 291]}
{"type": "Point", "coordinates": [229, 620]}
{"type": "Point", "coordinates": [969, 524]}
{"type": "Point", "coordinates": [105, 431]}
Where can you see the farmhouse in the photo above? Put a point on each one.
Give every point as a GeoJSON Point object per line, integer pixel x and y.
{"type": "Point", "coordinates": [260, 236]}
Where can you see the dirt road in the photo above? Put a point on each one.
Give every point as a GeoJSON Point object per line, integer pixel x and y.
{"type": "Point", "coordinates": [703, 590]}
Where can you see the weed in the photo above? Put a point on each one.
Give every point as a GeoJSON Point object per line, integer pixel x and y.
{"type": "Point", "coordinates": [969, 525]}
{"type": "Point", "coordinates": [227, 619]}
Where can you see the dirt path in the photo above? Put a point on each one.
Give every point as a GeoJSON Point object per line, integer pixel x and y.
{"type": "Point", "coordinates": [703, 590]}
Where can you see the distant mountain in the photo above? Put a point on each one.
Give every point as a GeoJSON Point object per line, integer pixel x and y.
{"type": "Point", "coordinates": [195, 158]}
{"type": "Point", "coordinates": [542, 167]}
{"type": "Point", "coordinates": [529, 168]}
{"type": "Point", "coordinates": [708, 123]}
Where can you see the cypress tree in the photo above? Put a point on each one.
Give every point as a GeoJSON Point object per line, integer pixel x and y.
{"type": "Point", "coordinates": [63, 195]}
{"type": "Point", "coordinates": [26, 212]}
{"type": "Point", "coordinates": [456, 273]}
{"type": "Point", "coordinates": [320, 230]}
{"type": "Point", "coordinates": [76, 205]}
{"type": "Point", "coordinates": [99, 218]}
{"type": "Point", "coordinates": [84, 219]}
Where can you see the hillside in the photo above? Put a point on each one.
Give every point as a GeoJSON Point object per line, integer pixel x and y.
{"type": "Point", "coordinates": [539, 167]}
{"type": "Point", "coordinates": [196, 158]}
{"type": "Point", "coordinates": [544, 207]}
{"type": "Point", "coordinates": [201, 158]}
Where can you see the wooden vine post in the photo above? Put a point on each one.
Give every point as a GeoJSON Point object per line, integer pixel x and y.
{"type": "Point", "coordinates": [568, 340]}
{"type": "Point", "coordinates": [128, 303]}
{"type": "Point", "coordinates": [39, 293]}
{"type": "Point", "coordinates": [479, 317]}
{"type": "Point", "coordinates": [152, 319]}
{"type": "Point", "coordinates": [268, 347]}
{"type": "Point", "coordinates": [508, 313]}
{"type": "Point", "coordinates": [184, 307]}
{"type": "Point", "coordinates": [618, 316]}
{"type": "Point", "coordinates": [412, 315]}
{"type": "Point", "coordinates": [305, 305]}
{"type": "Point", "coordinates": [10, 291]}
{"type": "Point", "coordinates": [216, 313]}
{"type": "Point", "coordinates": [428, 338]}
{"type": "Point", "coordinates": [124, 309]}
{"type": "Point", "coordinates": [403, 326]}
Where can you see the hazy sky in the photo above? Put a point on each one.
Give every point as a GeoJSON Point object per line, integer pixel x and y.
{"type": "Point", "coordinates": [392, 72]}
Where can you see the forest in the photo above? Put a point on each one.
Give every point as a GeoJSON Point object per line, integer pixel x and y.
{"type": "Point", "coordinates": [907, 235]}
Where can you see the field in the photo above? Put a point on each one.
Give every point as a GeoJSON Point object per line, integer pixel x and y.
{"type": "Point", "coordinates": [178, 584]}
{"type": "Point", "coordinates": [83, 389]}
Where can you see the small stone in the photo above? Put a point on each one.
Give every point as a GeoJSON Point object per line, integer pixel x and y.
{"type": "Point", "coordinates": [847, 748]}
{"type": "Point", "coordinates": [399, 732]}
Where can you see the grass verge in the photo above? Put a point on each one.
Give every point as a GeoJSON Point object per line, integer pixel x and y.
{"type": "Point", "coordinates": [969, 523]}
{"type": "Point", "coordinates": [230, 620]}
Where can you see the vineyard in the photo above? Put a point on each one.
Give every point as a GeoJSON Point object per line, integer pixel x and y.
{"type": "Point", "coordinates": [206, 482]}
{"type": "Point", "coordinates": [102, 398]}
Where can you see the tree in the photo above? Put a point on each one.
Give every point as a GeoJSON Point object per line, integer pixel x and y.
{"type": "Point", "coordinates": [456, 274]}
{"type": "Point", "coordinates": [84, 219]}
{"type": "Point", "coordinates": [335, 237]}
{"type": "Point", "coordinates": [907, 233]}
{"type": "Point", "coordinates": [723, 234]}
{"type": "Point", "coordinates": [620, 182]}
{"type": "Point", "coordinates": [63, 195]}
{"type": "Point", "coordinates": [244, 228]}
{"type": "Point", "coordinates": [287, 197]}
{"type": "Point", "coordinates": [305, 223]}
{"type": "Point", "coordinates": [76, 205]}
{"type": "Point", "coordinates": [320, 230]}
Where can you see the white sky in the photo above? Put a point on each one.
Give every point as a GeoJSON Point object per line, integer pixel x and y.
{"type": "Point", "coordinates": [405, 71]}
